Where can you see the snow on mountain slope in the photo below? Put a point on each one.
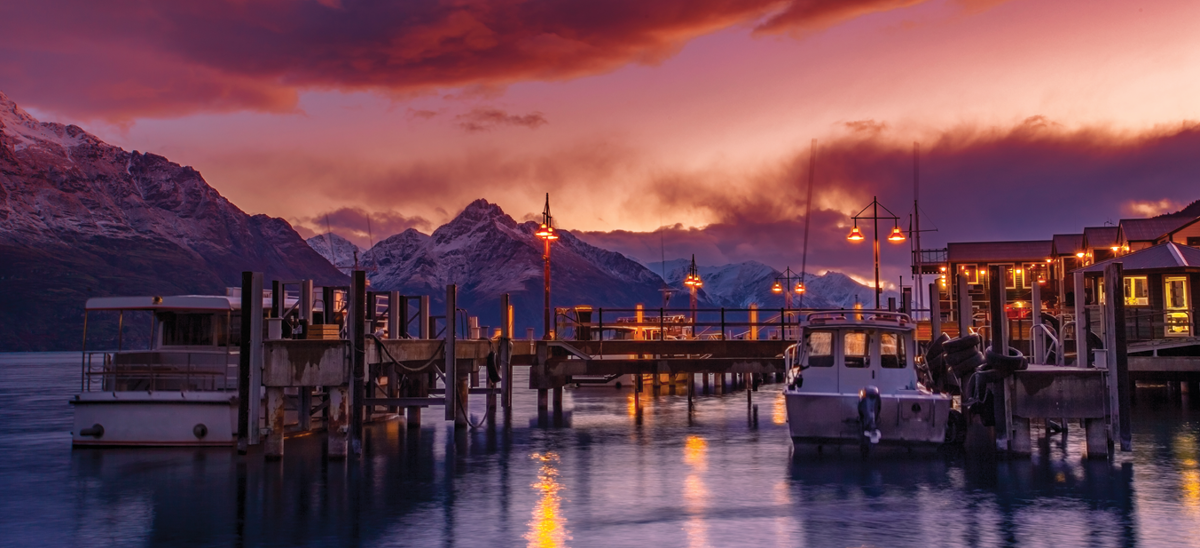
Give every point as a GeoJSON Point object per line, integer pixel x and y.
{"type": "Point", "coordinates": [80, 218]}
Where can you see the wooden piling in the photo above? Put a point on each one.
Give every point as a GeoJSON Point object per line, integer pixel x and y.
{"type": "Point", "coordinates": [337, 429]}
{"type": "Point", "coordinates": [1118, 358]}
{"type": "Point", "coordinates": [358, 320]}
{"type": "Point", "coordinates": [273, 448]}
{"type": "Point", "coordinates": [250, 361]}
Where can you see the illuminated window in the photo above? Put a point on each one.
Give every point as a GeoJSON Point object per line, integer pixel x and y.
{"type": "Point", "coordinates": [1137, 291]}
{"type": "Point", "coordinates": [971, 272]}
{"type": "Point", "coordinates": [855, 350]}
{"type": "Point", "coordinates": [1177, 320]}
{"type": "Point", "coordinates": [819, 345]}
{"type": "Point", "coordinates": [1029, 274]}
{"type": "Point", "coordinates": [1010, 277]}
{"type": "Point", "coordinates": [891, 351]}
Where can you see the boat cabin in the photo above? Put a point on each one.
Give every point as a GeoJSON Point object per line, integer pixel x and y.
{"type": "Point", "coordinates": [846, 351]}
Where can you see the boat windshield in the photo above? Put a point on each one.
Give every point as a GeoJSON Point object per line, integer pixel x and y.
{"type": "Point", "coordinates": [819, 347]}
{"type": "Point", "coordinates": [855, 347]}
{"type": "Point", "coordinates": [891, 351]}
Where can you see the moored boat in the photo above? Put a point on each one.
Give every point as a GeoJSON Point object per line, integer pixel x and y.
{"type": "Point", "coordinates": [852, 380]}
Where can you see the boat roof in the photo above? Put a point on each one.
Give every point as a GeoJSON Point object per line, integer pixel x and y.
{"type": "Point", "coordinates": [860, 318]}
{"type": "Point", "coordinates": [212, 303]}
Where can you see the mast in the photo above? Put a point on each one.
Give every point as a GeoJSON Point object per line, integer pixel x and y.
{"type": "Point", "coordinates": [918, 261]}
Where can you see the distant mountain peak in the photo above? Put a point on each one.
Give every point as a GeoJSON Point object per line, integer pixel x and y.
{"type": "Point", "coordinates": [27, 131]}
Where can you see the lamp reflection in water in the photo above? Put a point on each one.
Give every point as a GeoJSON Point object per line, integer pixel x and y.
{"type": "Point", "coordinates": [695, 492]}
{"type": "Point", "coordinates": [1189, 479]}
{"type": "Point", "coordinates": [548, 527]}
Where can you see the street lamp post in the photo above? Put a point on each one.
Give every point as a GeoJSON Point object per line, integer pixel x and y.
{"type": "Point", "coordinates": [895, 237]}
{"type": "Point", "coordinates": [547, 234]}
{"type": "Point", "coordinates": [694, 283]}
{"type": "Point", "coordinates": [783, 285]}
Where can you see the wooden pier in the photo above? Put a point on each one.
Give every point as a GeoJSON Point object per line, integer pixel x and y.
{"type": "Point", "coordinates": [363, 375]}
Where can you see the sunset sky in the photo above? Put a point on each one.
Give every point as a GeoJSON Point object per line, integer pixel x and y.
{"type": "Point", "coordinates": [1033, 117]}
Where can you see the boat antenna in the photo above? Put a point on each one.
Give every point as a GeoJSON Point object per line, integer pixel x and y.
{"type": "Point", "coordinates": [812, 166]}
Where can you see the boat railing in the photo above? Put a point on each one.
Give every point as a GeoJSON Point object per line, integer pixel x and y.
{"type": "Point", "coordinates": [874, 316]}
{"type": "Point", "coordinates": [159, 370]}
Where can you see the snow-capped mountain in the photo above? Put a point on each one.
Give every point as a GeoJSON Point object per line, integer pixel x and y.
{"type": "Point", "coordinates": [487, 253]}
{"type": "Point", "coordinates": [82, 218]}
{"type": "Point", "coordinates": [738, 285]}
{"type": "Point", "coordinates": [339, 251]}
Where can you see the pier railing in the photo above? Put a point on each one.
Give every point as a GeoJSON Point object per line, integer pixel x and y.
{"type": "Point", "coordinates": [153, 370]}
{"type": "Point", "coordinates": [684, 323]}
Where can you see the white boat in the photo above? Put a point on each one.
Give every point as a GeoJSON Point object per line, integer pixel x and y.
{"type": "Point", "coordinates": [179, 390]}
{"type": "Point", "coordinates": [852, 380]}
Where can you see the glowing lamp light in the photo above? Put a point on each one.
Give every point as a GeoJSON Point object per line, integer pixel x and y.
{"type": "Point", "coordinates": [1116, 248]}
{"type": "Point", "coordinates": [856, 235]}
{"type": "Point", "coordinates": [896, 235]}
{"type": "Point", "coordinates": [1080, 254]}
{"type": "Point", "coordinates": [944, 268]}
{"type": "Point", "coordinates": [777, 288]}
{"type": "Point", "coordinates": [799, 287]}
{"type": "Point", "coordinates": [1041, 280]}
{"type": "Point", "coordinates": [546, 233]}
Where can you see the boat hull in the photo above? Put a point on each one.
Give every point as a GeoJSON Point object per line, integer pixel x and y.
{"type": "Point", "coordinates": [155, 419]}
{"type": "Point", "coordinates": [905, 419]}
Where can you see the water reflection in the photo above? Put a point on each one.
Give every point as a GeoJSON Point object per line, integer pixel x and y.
{"type": "Point", "coordinates": [548, 527]}
{"type": "Point", "coordinates": [695, 492]}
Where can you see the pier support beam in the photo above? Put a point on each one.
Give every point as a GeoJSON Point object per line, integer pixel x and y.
{"type": "Point", "coordinates": [935, 311]}
{"type": "Point", "coordinates": [250, 361]}
{"type": "Point", "coordinates": [337, 428]}
{"type": "Point", "coordinates": [965, 307]}
{"type": "Point", "coordinates": [273, 448]}
{"type": "Point", "coordinates": [1118, 358]}
{"type": "Point", "coordinates": [1095, 434]}
{"type": "Point", "coordinates": [358, 360]}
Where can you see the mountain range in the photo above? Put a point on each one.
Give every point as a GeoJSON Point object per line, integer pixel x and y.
{"type": "Point", "coordinates": [81, 218]}
{"type": "Point", "coordinates": [487, 253]}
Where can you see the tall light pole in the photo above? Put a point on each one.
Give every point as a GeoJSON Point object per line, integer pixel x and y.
{"type": "Point", "coordinates": [694, 283]}
{"type": "Point", "coordinates": [783, 285]}
{"type": "Point", "coordinates": [895, 237]}
{"type": "Point", "coordinates": [547, 234]}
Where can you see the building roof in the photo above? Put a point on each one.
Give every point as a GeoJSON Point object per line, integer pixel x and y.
{"type": "Point", "coordinates": [1147, 230]}
{"type": "Point", "coordinates": [1068, 244]}
{"type": "Point", "coordinates": [1096, 237]}
{"type": "Point", "coordinates": [171, 302]}
{"type": "Point", "coordinates": [1168, 256]}
{"type": "Point", "coordinates": [1180, 227]}
{"type": "Point", "coordinates": [996, 252]}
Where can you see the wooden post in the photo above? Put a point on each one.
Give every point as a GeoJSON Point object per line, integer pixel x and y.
{"type": "Point", "coordinates": [506, 368]}
{"type": "Point", "coordinates": [358, 338]}
{"type": "Point", "coordinates": [451, 363]}
{"type": "Point", "coordinates": [1081, 324]}
{"type": "Point", "coordinates": [935, 311]}
{"type": "Point", "coordinates": [965, 307]}
{"type": "Point", "coordinates": [423, 331]}
{"type": "Point", "coordinates": [273, 448]}
{"type": "Point", "coordinates": [337, 429]}
{"type": "Point", "coordinates": [1118, 359]}
{"type": "Point", "coordinates": [691, 387]}
{"type": "Point", "coordinates": [250, 361]}
{"type": "Point", "coordinates": [1039, 339]}
{"type": "Point", "coordinates": [753, 322]}
{"type": "Point", "coordinates": [543, 400]}
{"type": "Point", "coordinates": [999, 343]}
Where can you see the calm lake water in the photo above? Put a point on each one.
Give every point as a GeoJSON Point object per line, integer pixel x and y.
{"type": "Point", "coordinates": [721, 475]}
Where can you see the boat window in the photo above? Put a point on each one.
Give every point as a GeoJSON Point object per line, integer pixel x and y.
{"type": "Point", "coordinates": [891, 351]}
{"type": "Point", "coordinates": [181, 329]}
{"type": "Point", "coordinates": [819, 347]}
{"type": "Point", "coordinates": [855, 348]}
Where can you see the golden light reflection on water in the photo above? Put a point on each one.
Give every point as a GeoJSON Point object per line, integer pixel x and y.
{"type": "Point", "coordinates": [1189, 481]}
{"type": "Point", "coordinates": [695, 452]}
{"type": "Point", "coordinates": [695, 492]}
{"type": "Point", "coordinates": [548, 527]}
{"type": "Point", "coordinates": [779, 410]}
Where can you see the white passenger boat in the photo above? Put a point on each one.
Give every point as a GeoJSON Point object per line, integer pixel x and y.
{"type": "Point", "coordinates": [179, 390]}
{"type": "Point", "coordinates": [852, 380]}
